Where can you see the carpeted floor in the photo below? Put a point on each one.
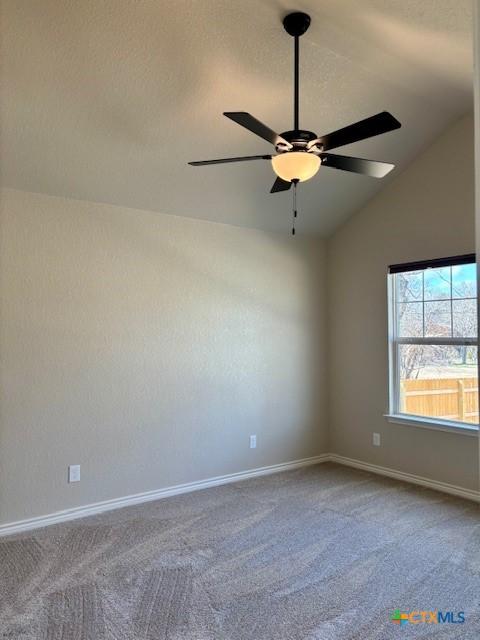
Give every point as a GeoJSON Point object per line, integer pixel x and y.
{"type": "Point", "coordinates": [319, 553]}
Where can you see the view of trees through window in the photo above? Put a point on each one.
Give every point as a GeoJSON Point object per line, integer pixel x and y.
{"type": "Point", "coordinates": [435, 331]}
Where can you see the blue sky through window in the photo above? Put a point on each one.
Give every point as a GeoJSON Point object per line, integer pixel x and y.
{"type": "Point", "coordinates": [465, 272]}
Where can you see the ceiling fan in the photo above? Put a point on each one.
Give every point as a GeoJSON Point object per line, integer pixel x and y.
{"type": "Point", "coordinates": [299, 153]}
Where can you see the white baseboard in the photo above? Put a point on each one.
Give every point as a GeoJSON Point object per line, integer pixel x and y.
{"type": "Point", "coordinates": [148, 496]}
{"type": "Point", "coordinates": [444, 487]}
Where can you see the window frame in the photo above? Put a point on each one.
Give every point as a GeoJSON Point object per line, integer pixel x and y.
{"type": "Point", "coordinates": [394, 341]}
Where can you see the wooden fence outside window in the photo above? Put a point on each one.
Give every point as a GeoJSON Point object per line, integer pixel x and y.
{"type": "Point", "coordinates": [445, 398]}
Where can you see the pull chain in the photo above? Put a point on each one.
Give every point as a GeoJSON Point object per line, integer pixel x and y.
{"type": "Point", "coordinates": [295, 182]}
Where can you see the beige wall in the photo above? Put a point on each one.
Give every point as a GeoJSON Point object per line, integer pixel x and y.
{"type": "Point", "coordinates": [426, 212]}
{"type": "Point", "coordinates": [147, 348]}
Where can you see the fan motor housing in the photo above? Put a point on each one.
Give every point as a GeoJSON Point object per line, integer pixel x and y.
{"type": "Point", "coordinates": [299, 138]}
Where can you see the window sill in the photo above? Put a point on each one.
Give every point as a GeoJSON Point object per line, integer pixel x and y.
{"type": "Point", "coordinates": [435, 425]}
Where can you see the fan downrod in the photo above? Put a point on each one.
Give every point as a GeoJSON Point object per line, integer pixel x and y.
{"type": "Point", "coordinates": [296, 24]}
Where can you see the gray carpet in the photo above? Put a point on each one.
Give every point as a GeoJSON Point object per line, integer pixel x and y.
{"type": "Point", "coordinates": [320, 553]}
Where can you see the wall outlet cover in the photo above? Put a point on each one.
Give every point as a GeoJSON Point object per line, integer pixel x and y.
{"type": "Point", "coordinates": [74, 473]}
{"type": "Point", "coordinates": [253, 442]}
{"type": "Point", "coordinates": [376, 439]}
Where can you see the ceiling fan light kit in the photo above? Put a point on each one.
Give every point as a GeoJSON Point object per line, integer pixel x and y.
{"type": "Point", "coordinates": [296, 165]}
{"type": "Point", "coordinates": [300, 153]}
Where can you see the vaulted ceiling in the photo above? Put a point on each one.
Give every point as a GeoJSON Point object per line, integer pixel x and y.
{"type": "Point", "coordinates": [108, 100]}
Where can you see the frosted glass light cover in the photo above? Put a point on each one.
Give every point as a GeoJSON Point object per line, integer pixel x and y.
{"type": "Point", "coordinates": [296, 165]}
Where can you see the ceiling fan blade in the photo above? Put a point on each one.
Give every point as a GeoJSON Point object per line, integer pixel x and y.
{"type": "Point", "coordinates": [373, 126]}
{"type": "Point", "coordinates": [280, 185]}
{"type": "Point", "coordinates": [244, 119]}
{"type": "Point", "coordinates": [371, 168]}
{"type": "Point", "coordinates": [200, 163]}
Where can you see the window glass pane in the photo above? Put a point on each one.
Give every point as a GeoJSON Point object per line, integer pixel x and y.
{"type": "Point", "coordinates": [464, 318]}
{"type": "Point", "coordinates": [437, 283]}
{"type": "Point", "coordinates": [436, 381]}
{"type": "Point", "coordinates": [439, 382]}
{"type": "Point", "coordinates": [464, 281]}
{"type": "Point", "coordinates": [409, 286]}
{"type": "Point", "coordinates": [438, 319]}
{"type": "Point", "coordinates": [410, 319]}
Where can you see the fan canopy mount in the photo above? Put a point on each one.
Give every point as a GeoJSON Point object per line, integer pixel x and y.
{"type": "Point", "coordinates": [296, 24]}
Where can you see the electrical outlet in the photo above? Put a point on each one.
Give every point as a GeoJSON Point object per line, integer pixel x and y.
{"type": "Point", "coordinates": [74, 473]}
{"type": "Point", "coordinates": [376, 439]}
{"type": "Point", "coordinates": [253, 442]}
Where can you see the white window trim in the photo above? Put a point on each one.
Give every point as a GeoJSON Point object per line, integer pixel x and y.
{"type": "Point", "coordinates": [393, 383]}
{"type": "Point", "coordinates": [434, 424]}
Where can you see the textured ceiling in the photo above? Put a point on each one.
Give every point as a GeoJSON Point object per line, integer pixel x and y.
{"type": "Point", "coordinates": [107, 100]}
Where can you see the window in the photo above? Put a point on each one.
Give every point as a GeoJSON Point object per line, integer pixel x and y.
{"type": "Point", "coordinates": [433, 340]}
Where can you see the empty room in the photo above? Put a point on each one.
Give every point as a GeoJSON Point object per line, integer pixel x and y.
{"type": "Point", "coordinates": [238, 319]}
